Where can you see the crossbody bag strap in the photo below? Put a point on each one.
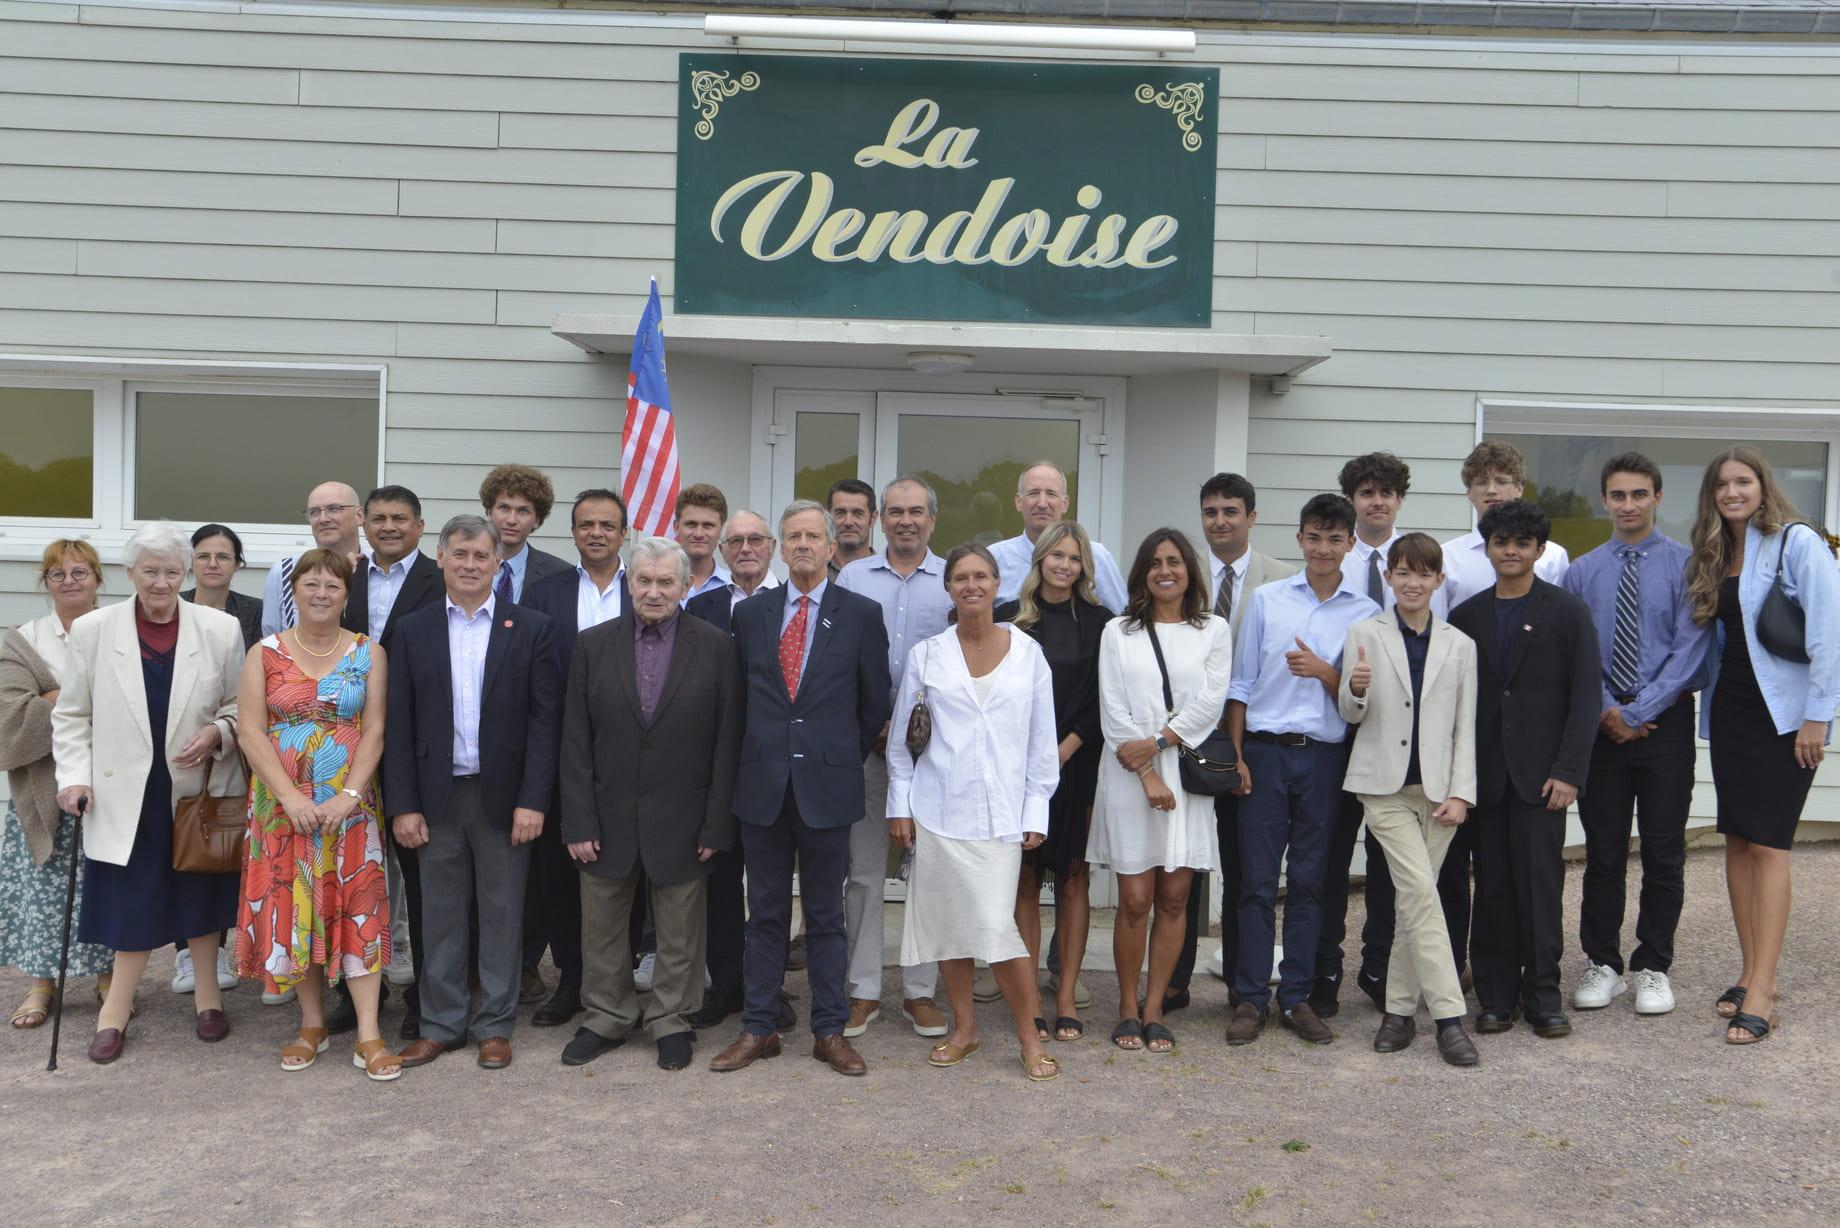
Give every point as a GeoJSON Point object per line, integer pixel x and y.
{"type": "Point", "coordinates": [1782, 547]}
{"type": "Point", "coordinates": [1169, 699]}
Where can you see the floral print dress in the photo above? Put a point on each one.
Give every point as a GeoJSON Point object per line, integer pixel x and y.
{"type": "Point", "coordinates": [320, 898]}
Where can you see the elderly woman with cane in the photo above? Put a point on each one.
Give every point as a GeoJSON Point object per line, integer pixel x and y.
{"type": "Point", "coordinates": [147, 708]}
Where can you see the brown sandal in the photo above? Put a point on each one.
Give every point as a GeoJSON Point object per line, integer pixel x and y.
{"type": "Point", "coordinates": [306, 1050]}
{"type": "Point", "coordinates": [1032, 1068]}
{"type": "Point", "coordinates": [374, 1058]}
{"type": "Point", "coordinates": [33, 1012]}
{"type": "Point", "coordinates": [946, 1053]}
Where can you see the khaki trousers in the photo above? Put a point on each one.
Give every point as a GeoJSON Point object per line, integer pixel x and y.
{"type": "Point", "coordinates": [1415, 844]}
{"type": "Point", "coordinates": [607, 992]}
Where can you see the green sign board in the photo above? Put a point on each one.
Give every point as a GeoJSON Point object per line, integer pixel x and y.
{"type": "Point", "coordinates": [945, 190]}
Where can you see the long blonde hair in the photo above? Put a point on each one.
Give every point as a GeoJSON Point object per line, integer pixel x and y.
{"type": "Point", "coordinates": [1028, 611]}
{"type": "Point", "coordinates": [1712, 540]}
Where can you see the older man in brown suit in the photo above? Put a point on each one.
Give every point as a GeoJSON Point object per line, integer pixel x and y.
{"type": "Point", "coordinates": [651, 734]}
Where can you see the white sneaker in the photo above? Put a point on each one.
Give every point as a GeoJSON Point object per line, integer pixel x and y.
{"type": "Point", "coordinates": [185, 979]}
{"type": "Point", "coordinates": [1654, 996]}
{"type": "Point", "coordinates": [400, 971]}
{"type": "Point", "coordinates": [226, 975]}
{"type": "Point", "coordinates": [642, 975]}
{"type": "Point", "coordinates": [1601, 986]}
{"type": "Point", "coordinates": [984, 985]}
{"type": "Point", "coordinates": [278, 999]}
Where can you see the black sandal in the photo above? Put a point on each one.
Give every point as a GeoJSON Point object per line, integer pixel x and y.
{"type": "Point", "coordinates": [1067, 1023]}
{"type": "Point", "coordinates": [1756, 1025]}
{"type": "Point", "coordinates": [1735, 997]}
{"type": "Point", "coordinates": [1154, 1032]}
{"type": "Point", "coordinates": [1129, 1029]}
{"type": "Point", "coordinates": [1041, 1029]}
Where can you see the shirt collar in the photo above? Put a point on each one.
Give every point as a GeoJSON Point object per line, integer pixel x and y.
{"type": "Point", "coordinates": [1405, 628]}
{"type": "Point", "coordinates": [401, 564]}
{"type": "Point", "coordinates": [1380, 550]}
{"type": "Point", "coordinates": [1301, 579]}
{"type": "Point", "coordinates": [486, 609]}
{"type": "Point", "coordinates": [1641, 548]}
{"type": "Point", "coordinates": [661, 626]}
{"type": "Point", "coordinates": [930, 564]}
{"type": "Point", "coordinates": [1237, 566]}
{"type": "Point", "coordinates": [766, 582]}
{"type": "Point", "coordinates": [816, 594]}
{"type": "Point", "coordinates": [619, 574]}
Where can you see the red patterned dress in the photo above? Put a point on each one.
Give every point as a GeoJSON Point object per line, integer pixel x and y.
{"type": "Point", "coordinates": [317, 899]}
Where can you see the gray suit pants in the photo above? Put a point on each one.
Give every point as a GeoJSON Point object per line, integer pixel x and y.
{"type": "Point", "coordinates": [468, 859]}
{"type": "Point", "coordinates": [606, 954]}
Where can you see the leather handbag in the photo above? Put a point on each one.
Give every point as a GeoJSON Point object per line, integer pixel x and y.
{"type": "Point", "coordinates": [920, 720]}
{"type": "Point", "coordinates": [209, 832]}
{"type": "Point", "coordinates": [1210, 768]}
{"type": "Point", "coordinates": [1782, 626]}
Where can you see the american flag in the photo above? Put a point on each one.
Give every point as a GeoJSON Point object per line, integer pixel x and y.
{"type": "Point", "coordinates": [648, 453]}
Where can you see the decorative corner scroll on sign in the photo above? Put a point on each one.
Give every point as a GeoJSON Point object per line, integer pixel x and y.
{"type": "Point", "coordinates": [1184, 102]}
{"type": "Point", "coordinates": [708, 89]}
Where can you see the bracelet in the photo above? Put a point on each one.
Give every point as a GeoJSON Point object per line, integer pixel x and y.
{"type": "Point", "coordinates": [1145, 770]}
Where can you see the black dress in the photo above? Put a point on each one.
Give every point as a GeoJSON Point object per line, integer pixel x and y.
{"type": "Point", "coordinates": [1761, 788]}
{"type": "Point", "coordinates": [1069, 639]}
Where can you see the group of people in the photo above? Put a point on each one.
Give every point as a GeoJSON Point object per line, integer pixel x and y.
{"type": "Point", "coordinates": [626, 763]}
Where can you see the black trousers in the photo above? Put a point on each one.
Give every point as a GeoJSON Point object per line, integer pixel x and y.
{"type": "Point", "coordinates": [725, 914]}
{"type": "Point", "coordinates": [1336, 888]}
{"type": "Point", "coordinates": [411, 868]}
{"type": "Point", "coordinates": [1649, 780]}
{"type": "Point", "coordinates": [1453, 893]}
{"type": "Point", "coordinates": [1226, 826]}
{"type": "Point", "coordinates": [552, 904]}
{"type": "Point", "coordinates": [1520, 889]}
{"type": "Point", "coordinates": [823, 858]}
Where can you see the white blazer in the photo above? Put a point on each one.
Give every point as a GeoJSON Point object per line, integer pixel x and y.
{"type": "Point", "coordinates": [100, 734]}
{"type": "Point", "coordinates": [1383, 718]}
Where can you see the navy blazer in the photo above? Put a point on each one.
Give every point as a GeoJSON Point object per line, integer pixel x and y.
{"type": "Point", "coordinates": [714, 607]}
{"type": "Point", "coordinates": [519, 713]}
{"type": "Point", "coordinates": [1536, 710]}
{"type": "Point", "coordinates": [818, 742]}
{"type": "Point", "coordinates": [554, 596]}
{"type": "Point", "coordinates": [423, 586]}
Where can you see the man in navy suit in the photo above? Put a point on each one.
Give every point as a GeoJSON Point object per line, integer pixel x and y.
{"type": "Point", "coordinates": [593, 592]}
{"type": "Point", "coordinates": [469, 769]}
{"type": "Point", "coordinates": [814, 663]}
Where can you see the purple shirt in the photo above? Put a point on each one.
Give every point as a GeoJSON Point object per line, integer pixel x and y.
{"type": "Point", "coordinates": [652, 644]}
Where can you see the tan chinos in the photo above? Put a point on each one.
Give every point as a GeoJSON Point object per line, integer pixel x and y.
{"type": "Point", "coordinates": [1415, 844]}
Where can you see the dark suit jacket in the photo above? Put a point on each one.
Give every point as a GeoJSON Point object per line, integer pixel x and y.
{"type": "Point", "coordinates": [817, 742]}
{"type": "Point", "coordinates": [539, 565]}
{"type": "Point", "coordinates": [1536, 711]}
{"type": "Point", "coordinates": [554, 597]}
{"type": "Point", "coordinates": [713, 607]}
{"type": "Point", "coordinates": [519, 708]}
{"type": "Point", "coordinates": [421, 587]}
{"type": "Point", "coordinates": [651, 792]}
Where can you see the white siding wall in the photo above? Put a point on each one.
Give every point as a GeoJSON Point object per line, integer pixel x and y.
{"type": "Point", "coordinates": [1464, 219]}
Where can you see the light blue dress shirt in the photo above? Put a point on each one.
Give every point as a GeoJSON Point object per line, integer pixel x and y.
{"type": "Point", "coordinates": [1794, 692]}
{"type": "Point", "coordinates": [914, 606]}
{"type": "Point", "coordinates": [1014, 555]}
{"type": "Point", "coordinates": [816, 596]}
{"type": "Point", "coordinates": [519, 563]}
{"type": "Point", "coordinates": [1277, 615]}
{"type": "Point", "coordinates": [274, 622]}
{"type": "Point", "coordinates": [1671, 647]}
{"type": "Point", "coordinates": [717, 579]}
{"type": "Point", "coordinates": [467, 641]}
{"type": "Point", "coordinates": [382, 588]}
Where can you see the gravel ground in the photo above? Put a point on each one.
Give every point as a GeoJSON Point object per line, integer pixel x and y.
{"type": "Point", "coordinates": [1627, 1121]}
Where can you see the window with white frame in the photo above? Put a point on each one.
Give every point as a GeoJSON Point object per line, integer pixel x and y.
{"type": "Point", "coordinates": [97, 448]}
{"type": "Point", "coordinates": [1566, 444]}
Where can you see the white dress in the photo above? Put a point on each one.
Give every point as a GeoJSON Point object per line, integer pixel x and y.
{"type": "Point", "coordinates": [1129, 837]}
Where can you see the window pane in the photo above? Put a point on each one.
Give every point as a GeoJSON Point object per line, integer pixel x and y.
{"type": "Point", "coordinates": [1564, 476]}
{"type": "Point", "coordinates": [974, 464]}
{"type": "Point", "coordinates": [825, 452]}
{"type": "Point", "coordinates": [241, 458]}
{"type": "Point", "coordinates": [47, 452]}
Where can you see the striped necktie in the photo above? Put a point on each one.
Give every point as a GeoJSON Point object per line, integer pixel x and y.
{"type": "Point", "coordinates": [289, 615]}
{"type": "Point", "coordinates": [1223, 601]}
{"type": "Point", "coordinates": [1625, 647]}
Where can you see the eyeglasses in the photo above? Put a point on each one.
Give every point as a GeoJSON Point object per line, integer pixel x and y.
{"type": "Point", "coordinates": [330, 509]}
{"type": "Point", "coordinates": [78, 574]}
{"type": "Point", "coordinates": [1495, 482]}
{"type": "Point", "coordinates": [753, 541]}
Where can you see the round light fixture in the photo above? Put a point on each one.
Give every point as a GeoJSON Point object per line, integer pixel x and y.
{"type": "Point", "coordinates": [938, 362]}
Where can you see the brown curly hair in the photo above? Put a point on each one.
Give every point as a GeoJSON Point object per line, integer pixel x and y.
{"type": "Point", "coordinates": [523, 482]}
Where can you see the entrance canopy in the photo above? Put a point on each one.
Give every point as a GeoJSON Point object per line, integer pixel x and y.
{"type": "Point", "coordinates": [886, 344]}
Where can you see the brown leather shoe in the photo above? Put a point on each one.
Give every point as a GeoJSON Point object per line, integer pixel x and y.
{"type": "Point", "coordinates": [107, 1045]}
{"type": "Point", "coordinates": [1248, 1022]}
{"type": "Point", "coordinates": [211, 1026]}
{"type": "Point", "coordinates": [925, 1015]}
{"type": "Point", "coordinates": [863, 1012]}
{"type": "Point", "coordinates": [840, 1054]}
{"type": "Point", "coordinates": [1307, 1024]}
{"type": "Point", "coordinates": [1396, 1032]}
{"type": "Point", "coordinates": [1456, 1047]}
{"type": "Point", "coordinates": [423, 1051]}
{"type": "Point", "coordinates": [495, 1052]}
{"type": "Point", "coordinates": [747, 1049]}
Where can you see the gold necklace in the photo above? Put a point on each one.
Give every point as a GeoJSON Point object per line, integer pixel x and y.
{"type": "Point", "coordinates": [302, 645]}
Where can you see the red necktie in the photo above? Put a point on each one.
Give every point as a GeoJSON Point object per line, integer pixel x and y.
{"type": "Point", "coordinates": [792, 647]}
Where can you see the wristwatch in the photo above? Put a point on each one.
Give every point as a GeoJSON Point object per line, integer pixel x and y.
{"type": "Point", "coordinates": [1162, 743]}
{"type": "Point", "coordinates": [353, 794]}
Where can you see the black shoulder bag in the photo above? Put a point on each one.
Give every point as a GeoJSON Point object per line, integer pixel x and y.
{"type": "Point", "coordinates": [1210, 769]}
{"type": "Point", "coordinates": [1782, 626]}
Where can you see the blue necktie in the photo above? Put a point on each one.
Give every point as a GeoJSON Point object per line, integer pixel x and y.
{"type": "Point", "coordinates": [1626, 646]}
{"type": "Point", "coordinates": [502, 590]}
{"type": "Point", "coordinates": [289, 615]}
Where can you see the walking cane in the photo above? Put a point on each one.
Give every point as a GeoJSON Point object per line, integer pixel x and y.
{"type": "Point", "coordinates": [70, 907]}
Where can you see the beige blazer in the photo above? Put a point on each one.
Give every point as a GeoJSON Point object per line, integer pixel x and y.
{"type": "Point", "coordinates": [100, 735]}
{"type": "Point", "coordinates": [1383, 719]}
{"type": "Point", "coordinates": [1260, 569]}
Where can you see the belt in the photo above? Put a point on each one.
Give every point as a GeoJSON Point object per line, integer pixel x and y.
{"type": "Point", "coordinates": [468, 776]}
{"type": "Point", "coordinates": [1286, 739]}
{"type": "Point", "coordinates": [1625, 699]}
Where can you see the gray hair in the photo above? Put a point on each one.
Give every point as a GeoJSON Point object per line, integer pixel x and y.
{"type": "Point", "coordinates": [160, 538]}
{"type": "Point", "coordinates": [1042, 464]}
{"type": "Point", "coordinates": [932, 496]}
{"type": "Point", "coordinates": [809, 505]}
{"type": "Point", "coordinates": [728, 528]}
{"type": "Point", "coordinates": [467, 525]}
{"type": "Point", "coordinates": [653, 549]}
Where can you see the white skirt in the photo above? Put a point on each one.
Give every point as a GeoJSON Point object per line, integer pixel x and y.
{"type": "Point", "coordinates": [961, 901]}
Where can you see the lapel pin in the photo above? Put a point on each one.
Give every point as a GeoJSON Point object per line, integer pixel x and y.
{"type": "Point", "coordinates": [1524, 626]}
{"type": "Point", "coordinates": [508, 624]}
{"type": "Point", "coordinates": [826, 622]}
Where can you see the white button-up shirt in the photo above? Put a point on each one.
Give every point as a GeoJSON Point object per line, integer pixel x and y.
{"type": "Point", "coordinates": [1467, 570]}
{"type": "Point", "coordinates": [737, 594]}
{"type": "Point", "coordinates": [594, 606]}
{"type": "Point", "coordinates": [467, 639]}
{"type": "Point", "coordinates": [382, 587]}
{"type": "Point", "coordinates": [1355, 566]}
{"type": "Point", "coordinates": [991, 764]}
{"type": "Point", "coordinates": [1278, 701]}
{"type": "Point", "coordinates": [1016, 554]}
{"type": "Point", "coordinates": [1237, 569]}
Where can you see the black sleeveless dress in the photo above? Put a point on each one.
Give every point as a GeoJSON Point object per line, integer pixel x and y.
{"type": "Point", "coordinates": [1761, 789]}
